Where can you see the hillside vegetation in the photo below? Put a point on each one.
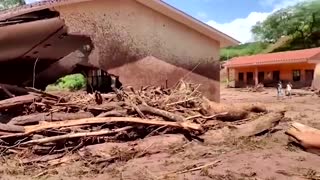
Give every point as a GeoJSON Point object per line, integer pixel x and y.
{"type": "Point", "coordinates": [6, 4]}
{"type": "Point", "coordinates": [292, 28]}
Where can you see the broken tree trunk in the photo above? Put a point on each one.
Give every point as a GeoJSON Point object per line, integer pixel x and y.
{"type": "Point", "coordinates": [260, 125]}
{"type": "Point", "coordinates": [114, 113]}
{"type": "Point", "coordinates": [45, 94]}
{"type": "Point", "coordinates": [162, 113]}
{"type": "Point", "coordinates": [17, 101]}
{"type": "Point", "coordinates": [56, 116]}
{"type": "Point", "coordinates": [75, 135]}
{"type": "Point", "coordinates": [233, 112]}
{"type": "Point", "coordinates": [68, 123]}
{"type": "Point", "coordinates": [256, 107]}
{"type": "Point", "coordinates": [306, 136]}
{"type": "Point", "coordinates": [11, 128]}
{"type": "Point", "coordinates": [227, 112]}
{"type": "Point", "coordinates": [15, 89]}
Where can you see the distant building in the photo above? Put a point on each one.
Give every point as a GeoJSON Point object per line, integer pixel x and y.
{"type": "Point", "coordinates": [297, 67]}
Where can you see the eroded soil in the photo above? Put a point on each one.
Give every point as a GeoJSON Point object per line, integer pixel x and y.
{"type": "Point", "coordinates": [265, 157]}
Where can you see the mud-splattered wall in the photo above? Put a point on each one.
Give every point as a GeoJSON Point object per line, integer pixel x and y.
{"type": "Point", "coordinates": [144, 47]}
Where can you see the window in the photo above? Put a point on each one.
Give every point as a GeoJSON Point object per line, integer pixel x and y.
{"type": "Point", "coordinates": [241, 77]}
{"type": "Point", "coordinates": [261, 77]}
{"type": "Point", "coordinates": [249, 76]}
{"type": "Point", "coordinates": [296, 75]}
{"type": "Point", "coordinates": [276, 75]}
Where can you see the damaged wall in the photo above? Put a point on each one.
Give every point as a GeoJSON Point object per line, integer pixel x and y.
{"type": "Point", "coordinates": [125, 33]}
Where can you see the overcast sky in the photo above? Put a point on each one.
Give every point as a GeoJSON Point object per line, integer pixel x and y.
{"type": "Point", "coordinates": [233, 17]}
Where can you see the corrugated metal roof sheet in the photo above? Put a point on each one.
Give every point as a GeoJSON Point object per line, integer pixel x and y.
{"type": "Point", "coordinates": [274, 58]}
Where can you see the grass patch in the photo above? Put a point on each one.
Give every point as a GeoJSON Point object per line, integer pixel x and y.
{"type": "Point", "coordinates": [71, 82]}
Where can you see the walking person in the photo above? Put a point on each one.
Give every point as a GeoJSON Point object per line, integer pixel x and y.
{"type": "Point", "coordinates": [289, 89]}
{"type": "Point", "coordinates": [279, 90]}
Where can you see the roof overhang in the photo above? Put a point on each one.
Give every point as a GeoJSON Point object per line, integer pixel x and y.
{"type": "Point", "coordinates": [157, 5]}
{"type": "Point", "coordinates": [228, 65]}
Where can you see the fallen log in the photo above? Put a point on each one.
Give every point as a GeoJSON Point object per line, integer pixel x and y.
{"type": "Point", "coordinates": [45, 94]}
{"type": "Point", "coordinates": [17, 101]}
{"type": "Point", "coordinates": [114, 113]}
{"type": "Point", "coordinates": [69, 123]}
{"type": "Point", "coordinates": [56, 116]}
{"type": "Point", "coordinates": [256, 127]}
{"type": "Point", "coordinates": [255, 107]}
{"type": "Point", "coordinates": [75, 135]}
{"type": "Point", "coordinates": [162, 113]}
{"type": "Point", "coordinates": [5, 90]}
{"type": "Point", "coordinates": [15, 89]}
{"type": "Point", "coordinates": [226, 112]}
{"type": "Point", "coordinates": [307, 137]}
{"type": "Point", "coordinates": [45, 158]}
{"type": "Point", "coordinates": [11, 128]}
{"type": "Point", "coordinates": [233, 112]}
{"type": "Point", "coordinates": [262, 124]}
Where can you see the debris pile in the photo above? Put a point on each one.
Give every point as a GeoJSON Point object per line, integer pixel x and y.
{"type": "Point", "coordinates": [40, 123]}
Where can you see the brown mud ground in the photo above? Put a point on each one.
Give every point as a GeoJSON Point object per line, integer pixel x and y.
{"type": "Point", "coordinates": [265, 157]}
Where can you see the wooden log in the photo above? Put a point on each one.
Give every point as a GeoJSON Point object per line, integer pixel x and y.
{"type": "Point", "coordinates": [162, 113]}
{"type": "Point", "coordinates": [227, 112]}
{"type": "Point", "coordinates": [114, 113]}
{"type": "Point", "coordinates": [17, 101]}
{"type": "Point", "coordinates": [15, 89]}
{"type": "Point", "coordinates": [11, 128]}
{"type": "Point", "coordinates": [45, 94]}
{"type": "Point", "coordinates": [45, 158]}
{"type": "Point", "coordinates": [69, 123]}
{"type": "Point", "coordinates": [5, 90]}
{"type": "Point", "coordinates": [56, 116]}
{"type": "Point", "coordinates": [75, 135]}
{"type": "Point", "coordinates": [307, 137]}
{"type": "Point", "coordinates": [255, 107]}
{"type": "Point", "coordinates": [262, 124]}
{"type": "Point", "coordinates": [233, 112]}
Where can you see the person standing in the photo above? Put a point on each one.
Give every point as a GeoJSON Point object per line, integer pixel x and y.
{"type": "Point", "coordinates": [289, 89]}
{"type": "Point", "coordinates": [279, 89]}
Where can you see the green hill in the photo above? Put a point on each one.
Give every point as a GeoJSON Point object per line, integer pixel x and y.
{"type": "Point", "coordinates": [292, 28]}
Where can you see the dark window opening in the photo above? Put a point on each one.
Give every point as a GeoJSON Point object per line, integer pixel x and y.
{"type": "Point", "coordinates": [276, 75]}
{"type": "Point", "coordinates": [309, 75]}
{"type": "Point", "coordinates": [102, 81]}
{"type": "Point", "coordinates": [261, 77]}
{"type": "Point", "coordinates": [241, 77]}
{"type": "Point", "coordinates": [296, 75]}
{"type": "Point", "coordinates": [249, 77]}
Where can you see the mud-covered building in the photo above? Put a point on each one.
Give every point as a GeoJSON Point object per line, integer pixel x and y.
{"type": "Point", "coordinates": [144, 42]}
{"type": "Point", "coordinates": [300, 67]}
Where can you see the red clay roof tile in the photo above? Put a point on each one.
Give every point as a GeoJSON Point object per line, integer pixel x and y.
{"type": "Point", "coordinates": [274, 58]}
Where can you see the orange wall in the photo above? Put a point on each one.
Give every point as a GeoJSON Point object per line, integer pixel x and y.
{"type": "Point", "coordinates": [285, 70]}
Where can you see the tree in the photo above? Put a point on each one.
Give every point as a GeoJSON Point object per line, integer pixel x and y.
{"type": "Point", "coordinates": [6, 4]}
{"type": "Point", "coordinates": [300, 22]}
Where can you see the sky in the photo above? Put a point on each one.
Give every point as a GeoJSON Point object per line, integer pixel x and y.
{"type": "Point", "coordinates": [233, 17]}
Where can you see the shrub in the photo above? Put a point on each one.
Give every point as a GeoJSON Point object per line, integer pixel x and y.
{"type": "Point", "coordinates": [71, 82]}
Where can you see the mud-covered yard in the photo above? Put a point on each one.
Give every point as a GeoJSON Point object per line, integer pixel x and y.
{"type": "Point", "coordinates": [172, 157]}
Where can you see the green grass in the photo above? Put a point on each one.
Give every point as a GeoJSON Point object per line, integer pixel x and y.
{"type": "Point", "coordinates": [71, 82]}
{"type": "Point", "coordinates": [243, 50]}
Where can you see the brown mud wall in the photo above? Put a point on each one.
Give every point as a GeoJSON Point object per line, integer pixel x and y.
{"type": "Point", "coordinates": [143, 46]}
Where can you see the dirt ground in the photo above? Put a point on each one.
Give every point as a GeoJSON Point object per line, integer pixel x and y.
{"type": "Point", "coordinates": [266, 157]}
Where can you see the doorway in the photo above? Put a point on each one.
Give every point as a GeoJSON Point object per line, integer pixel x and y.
{"type": "Point", "coordinates": [250, 79]}
{"type": "Point", "coordinates": [260, 77]}
{"type": "Point", "coordinates": [276, 76]}
{"type": "Point", "coordinates": [309, 76]}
